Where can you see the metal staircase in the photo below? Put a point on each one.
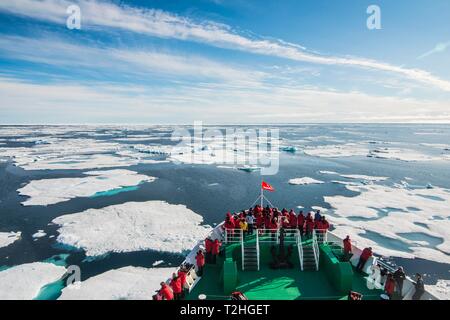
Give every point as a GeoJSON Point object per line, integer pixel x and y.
{"type": "Point", "coordinates": [250, 257]}
{"type": "Point", "coordinates": [309, 258]}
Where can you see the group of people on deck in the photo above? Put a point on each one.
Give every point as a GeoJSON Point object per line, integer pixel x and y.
{"type": "Point", "coordinates": [273, 219]}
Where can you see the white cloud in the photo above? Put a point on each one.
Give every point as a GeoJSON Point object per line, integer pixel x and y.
{"type": "Point", "coordinates": [101, 14]}
{"type": "Point", "coordinates": [440, 47]}
{"type": "Point", "coordinates": [105, 103]}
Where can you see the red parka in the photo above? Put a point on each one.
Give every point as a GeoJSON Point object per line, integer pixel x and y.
{"type": "Point", "coordinates": [200, 258]}
{"type": "Point", "coordinates": [347, 246]}
{"type": "Point", "coordinates": [216, 247]}
{"type": "Point", "coordinates": [166, 292]}
{"type": "Point", "coordinates": [366, 254]}
{"type": "Point", "coordinates": [175, 284]}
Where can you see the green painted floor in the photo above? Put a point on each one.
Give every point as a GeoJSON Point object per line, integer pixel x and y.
{"type": "Point", "coordinates": [269, 284]}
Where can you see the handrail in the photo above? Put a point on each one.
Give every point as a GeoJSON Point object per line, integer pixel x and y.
{"type": "Point", "coordinates": [300, 248]}
{"type": "Point", "coordinates": [316, 250]}
{"type": "Point", "coordinates": [242, 248]}
{"type": "Point", "coordinates": [257, 249]}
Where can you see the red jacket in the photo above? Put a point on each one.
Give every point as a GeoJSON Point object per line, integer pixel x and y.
{"type": "Point", "coordinates": [309, 224]}
{"type": "Point", "coordinates": [166, 292]}
{"type": "Point", "coordinates": [366, 254]}
{"type": "Point", "coordinates": [175, 284]}
{"type": "Point", "coordinates": [200, 258]}
{"type": "Point", "coordinates": [325, 225]}
{"type": "Point", "coordinates": [347, 246]}
{"type": "Point", "coordinates": [293, 220]}
{"type": "Point", "coordinates": [216, 247]}
{"type": "Point", "coordinates": [208, 245]}
{"type": "Point", "coordinates": [389, 287]}
{"type": "Point", "coordinates": [300, 220]}
{"type": "Point", "coordinates": [182, 276]}
{"type": "Point", "coordinates": [318, 225]}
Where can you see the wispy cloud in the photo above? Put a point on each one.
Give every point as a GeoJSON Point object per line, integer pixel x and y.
{"type": "Point", "coordinates": [134, 62]}
{"type": "Point", "coordinates": [101, 14]}
{"type": "Point", "coordinates": [440, 47]}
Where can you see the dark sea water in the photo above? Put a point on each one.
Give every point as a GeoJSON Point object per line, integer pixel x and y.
{"type": "Point", "coordinates": [211, 191]}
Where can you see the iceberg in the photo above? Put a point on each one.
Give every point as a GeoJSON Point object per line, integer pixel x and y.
{"type": "Point", "coordinates": [132, 226]}
{"type": "Point", "coordinates": [304, 181]}
{"type": "Point", "coordinates": [51, 191]}
{"type": "Point", "coordinates": [7, 238]}
{"type": "Point", "coordinates": [128, 283]}
{"type": "Point", "coordinates": [24, 282]}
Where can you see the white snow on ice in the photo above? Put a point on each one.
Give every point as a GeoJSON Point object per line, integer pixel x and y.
{"type": "Point", "coordinates": [132, 226]}
{"type": "Point", "coordinates": [335, 151]}
{"type": "Point", "coordinates": [396, 215]}
{"type": "Point", "coordinates": [304, 181]}
{"type": "Point", "coordinates": [407, 155]}
{"type": "Point", "coordinates": [50, 191]}
{"type": "Point", "coordinates": [39, 234]}
{"type": "Point", "coordinates": [128, 283]}
{"type": "Point", "coordinates": [23, 282]}
{"type": "Point", "coordinates": [7, 238]}
{"type": "Point", "coordinates": [440, 289]}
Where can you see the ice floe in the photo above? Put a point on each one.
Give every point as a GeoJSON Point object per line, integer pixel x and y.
{"type": "Point", "coordinates": [335, 151]}
{"type": "Point", "coordinates": [132, 226]}
{"type": "Point", "coordinates": [74, 153]}
{"type": "Point", "coordinates": [24, 282]}
{"type": "Point", "coordinates": [50, 191]}
{"type": "Point", "coordinates": [405, 155]}
{"type": "Point", "coordinates": [7, 238]}
{"type": "Point", "coordinates": [39, 234]}
{"type": "Point", "coordinates": [441, 289]}
{"type": "Point", "coordinates": [128, 283]}
{"type": "Point", "coordinates": [396, 220]}
{"type": "Point", "coordinates": [304, 181]}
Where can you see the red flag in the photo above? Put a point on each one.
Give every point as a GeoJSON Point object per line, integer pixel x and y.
{"type": "Point", "coordinates": [266, 186]}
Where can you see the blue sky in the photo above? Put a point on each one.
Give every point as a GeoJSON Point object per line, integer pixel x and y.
{"type": "Point", "coordinates": [224, 61]}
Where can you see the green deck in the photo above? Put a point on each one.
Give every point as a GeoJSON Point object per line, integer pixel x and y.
{"type": "Point", "coordinates": [269, 284]}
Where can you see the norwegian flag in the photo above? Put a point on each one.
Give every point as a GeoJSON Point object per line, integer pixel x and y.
{"type": "Point", "coordinates": [266, 186]}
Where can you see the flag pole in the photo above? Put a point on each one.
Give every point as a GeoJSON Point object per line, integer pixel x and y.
{"type": "Point", "coordinates": [262, 196]}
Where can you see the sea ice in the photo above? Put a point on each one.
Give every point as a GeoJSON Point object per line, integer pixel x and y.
{"type": "Point", "coordinates": [335, 151]}
{"type": "Point", "coordinates": [128, 283]}
{"type": "Point", "coordinates": [23, 282]}
{"type": "Point", "coordinates": [405, 155]}
{"type": "Point", "coordinates": [440, 289]}
{"type": "Point", "coordinates": [132, 226]}
{"type": "Point", "coordinates": [7, 238]}
{"type": "Point", "coordinates": [304, 181]}
{"type": "Point", "coordinates": [50, 191]}
{"type": "Point", "coordinates": [389, 218]}
{"type": "Point", "coordinates": [39, 234]}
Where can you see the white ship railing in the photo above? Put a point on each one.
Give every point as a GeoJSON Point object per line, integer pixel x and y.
{"type": "Point", "coordinates": [300, 248]}
{"type": "Point", "coordinates": [257, 248]}
{"type": "Point", "coordinates": [316, 249]}
{"type": "Point", "coordinates": [273, 235]}
{"type": "Point", "coordinates": [233, 236]}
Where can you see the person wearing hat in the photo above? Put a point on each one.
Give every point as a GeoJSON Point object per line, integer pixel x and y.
{"type": "Point", "coordinates": [420, 287]}
{"type": "Point", "coordinates": [175, 284]}
{"type": "Point", "coordinates": [200, 259]}
{"type": "Point", "coordinates": [399, 277]}
{"type": "Point", "coordinates": [166, 292]}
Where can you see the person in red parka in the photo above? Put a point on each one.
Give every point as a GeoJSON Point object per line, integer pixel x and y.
{"type": "Point", "coordinates": [166, 292]}
{"type": "Point", "coordinates": [365, 255]}
{"type": "Point", "coordinates": [215, 250]}
{"type": "Point", "coordinates": [175, 284]}
{"type": "Point", "coordinates": [292, 220]}
{"type": "Point", "coordinates": [301, 223]}
{"type": "Point", "coordinates": [325, 224]}
{"type": "Point", "coordinates": [182, 275]}
{"type": "Point", "coordinates": [309, 226]}
{"type": "Point", "coordinates": [229, 226]}
{"type": "Point", "coordinates": [200, 259]}
{"type": "Point", "coordinates": [389, 286]}
{"type": "Point", "coordinates": [347, 248]}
